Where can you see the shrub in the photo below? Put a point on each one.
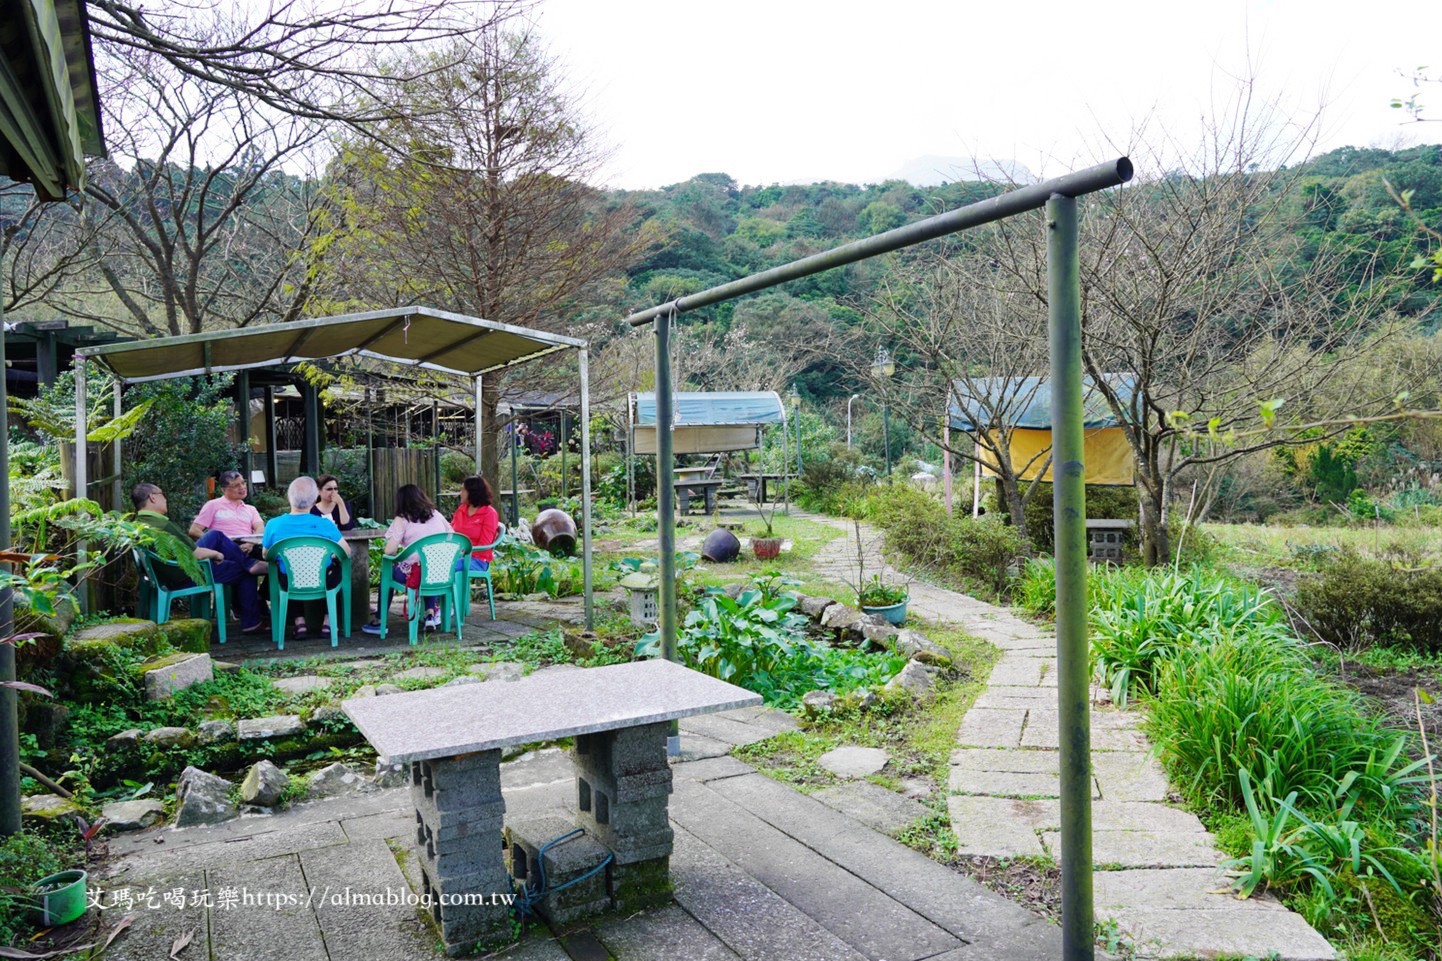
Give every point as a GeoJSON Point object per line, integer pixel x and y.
{"type": "Point", "coordinates": [1355, 601]}
{"type": "Point", "coordinates": [980, 553]}
{"type": "Point", "coordinates": [25, 858]}
{"type": "Point", "coordinates": [1036, 589]}
{"type": "Point", "coordinates": [1102, 502]}
{"type": "Point", "coordinates": [183, 439]}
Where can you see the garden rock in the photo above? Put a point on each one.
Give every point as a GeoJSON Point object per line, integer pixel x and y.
{"type": "Point", "coordinates": [865, 698]}
{"type": "Point", "coordinates": [328, 713]}
{"type": "Point", "coordinates": [335, 779]}
{"type": "Point", "coordinates": [169, 737]}
{"type": "Point", "coordinates": [204, 799]}
{"type": "Point", "coordinates": [280, 725]}
{"type": "Point", "coordinates": [877, 635]}
{"type": "Point", "coordinates": [263, 785]}
{"type": "Point", "coordinates": [463, 679]}
{"type": "Point", "coordinates": [48, 806]}
{"type": "Point", "coordinates": [919, 647]}
{"type": "Point", "coordinates": [498, 671]}
{"type": "Point", "coordinates": [813, 607]}
{"type": "Point", "coordinates": [390, 774]}
{"type": "Point", "coordinates": [175, 673]}
{"type": "Point", "coordinates": [818, 703]}
{"type": "Point", "coordinates": [302, 683]}
{"type": "Point", "coordinates": [123, 741]}
{"type": "Point", "coordinates": [132, 815]}
{"type": "Point", "coordinates": [365, 690]}
{"type": "Point", "coordinates": [853, 761]}
{"type": "Point", "coordinates": [733, 591]}
{"type": "Point", "coordinates": [418, 673]}
{"type": "Point", "coordinates": [839, 617]}
{"type": "Point", "coordinates": [923, 480]}
{"type": "Point", "coordinates": [383, 689]}
{"type": "Point", "coordinates": [915, 680]}
{"type": "Point", "coordinates": [213, 732]}
{"type": "Point", "coordinates": [47, 721]}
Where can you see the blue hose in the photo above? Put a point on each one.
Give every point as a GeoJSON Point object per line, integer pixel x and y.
{"type": "Point", "coordinates": [532, 894]}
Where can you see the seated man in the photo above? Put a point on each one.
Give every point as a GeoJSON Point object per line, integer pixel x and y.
{"type": "Point", "coordinates": [229, 564]}
{"type": "Point", "coordinates": [229, 513]}
{"type": "Point", "coordinates": [300, 522]}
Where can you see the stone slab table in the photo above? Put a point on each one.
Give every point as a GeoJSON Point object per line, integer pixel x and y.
{"type": "Point", "coordinates": [452, 739]}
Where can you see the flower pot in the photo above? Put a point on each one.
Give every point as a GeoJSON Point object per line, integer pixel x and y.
{"type": "Point", "coordinates": [766, 548]}
{"type": "Point", "coordinates": [894, 613]}
{"type": "Point", "coordinates": [58, 899]}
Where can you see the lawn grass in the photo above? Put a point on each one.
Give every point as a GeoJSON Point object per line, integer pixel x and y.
{"type": "Point", "coordinates": [1262, 545]}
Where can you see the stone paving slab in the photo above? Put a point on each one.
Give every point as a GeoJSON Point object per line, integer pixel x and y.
{"type": "Point", "coordinates": [873, 805]}
{"type": "Point", "coordinates": [152, 933]}
{"type": "Point", "coordinates": [290, 931]}
{"type": "Point", "coordinates": [1017, 698]}
{"type": "Point", "coordinates": [1110, 730]}
{"type": "Point", "coordinates": [1234, 932]}
{"type": "Point", "coordinates": [853, 910]}
{"type": "Point", "coordinates": [720, 727]}
{"type": "Point", "coordinates": [369, 926]}
{"type": "Point", "coordinates": [1130, 776]}
{"type": "Point", "coordinates": [1143, 816]}
{"type": "Point", "coordinates": [753, 921]}
{"type": "Point", "coordinates": [1017, 671]}
{"type": "Point", "coordinates": [946, 898]}
{"type": "Point", "coordinates": [662, 934]}
{"type": "Point", "coordinates": [997, 727]}
{"type": "Point", "coordinates": [1169, 889]}
{"type": "Point", "coordinates": [994, 759]}
{"type": "Point", "coordinates": [990, 827]}
{"type": "Point", "coordinates": [695, 747]}
{"type": "Point", "coordinates": [711, 769]}
{"type": "Point", "coordinates": [1007, 784]}
{"type": "Point", "coordinates": [1140, 849]}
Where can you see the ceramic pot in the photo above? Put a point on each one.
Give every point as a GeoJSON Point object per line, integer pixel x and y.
{"type": "Point", "coordinates": [766, 548]}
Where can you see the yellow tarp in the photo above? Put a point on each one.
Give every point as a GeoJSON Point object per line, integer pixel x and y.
{"type": "Point", "coordinates": [1107, 455]}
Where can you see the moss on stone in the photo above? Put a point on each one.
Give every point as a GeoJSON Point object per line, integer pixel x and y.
{"type": "Point", "coordinates": [190, 634]}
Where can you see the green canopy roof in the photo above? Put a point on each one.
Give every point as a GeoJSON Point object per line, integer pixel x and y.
{"type": "Point", "coordinates": [715, 408]}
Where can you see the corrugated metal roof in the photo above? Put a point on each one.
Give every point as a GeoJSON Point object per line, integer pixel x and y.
{"type": "Point", "coordinates": [1026, 402]}
{"type": "Point", "coordinates": [714, 408]}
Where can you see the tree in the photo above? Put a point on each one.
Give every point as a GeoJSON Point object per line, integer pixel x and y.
{"type": "Point", "coordinates": [489, 210]}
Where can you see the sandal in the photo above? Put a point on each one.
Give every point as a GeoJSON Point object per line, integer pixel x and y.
{"type": "Point", "coordinates": [301, 630]}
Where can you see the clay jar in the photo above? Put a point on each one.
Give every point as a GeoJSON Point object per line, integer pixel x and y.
{"type": "Point", "coordinates": [720, 546]}
{"type": "Point", "coordinates": [554, 531]}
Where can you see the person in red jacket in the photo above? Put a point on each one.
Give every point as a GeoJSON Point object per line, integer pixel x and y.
{"type": "Point", "coordinates": [477, 519]}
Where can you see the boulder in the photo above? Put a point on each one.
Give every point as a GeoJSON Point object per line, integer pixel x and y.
{"type": "Point", "coordinates": [335, 779]}
{"type": "Point", "coordinates": [733, 591]}
{"type": "Point", "coordinates": [877, 631]}
{"type": "Point", "coordinates": [840, 618]}
{"type": "Point", "coordinates": [280, 725]}
{"type": "Point", "coordinates": [919, 647]}
{"type": "Point", "coordinates": [203, 799]}
{"type": "Point", "coordinates": [813, 607]}
{"type": "Point", "coordinates": [48, 807]}
{"type": "Point", "coordinates": [302, 683]}
{"type": "Point", "coordinates": [132, 815]}
{"type": "Point", "coordinates": [165, 675]}
{"type": "Point", "coordinates": [818, 703]}
{"type": "Point", "coordinates": [384, 689]}
{"type": "Point", "coordinates": [328, 714]}
{"type": "Point", "coordinates": [123, 741]}
{"type": "Point", "coordinates": [721, 546]}
{"type": "Point", "coordinates": [365, 690]}
{"type": "Point", "coordinates": [915, 680]}
{"type": "Point", "coordinates": [190, 634]}
{"type": "Point", "coordinates": [213, 732]}
{"type": "Point", "coordinates": [264, 784]}
{"type": "Point", "coordinates": [166, 737]}
{"type": "Point", "coordinates": [498, 671]}
{"type": "Point", "coordinates": [852, 761]}
{"type": "Point", "coordinates": [390, 774]}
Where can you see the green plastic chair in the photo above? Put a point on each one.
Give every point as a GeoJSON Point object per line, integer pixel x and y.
{"type": "Point", "coordinates": [474, 575]}
{"type": "Point", "coordinates": [437, 555]}
{"type": "Point", "coordinates": [156, 597]}
{"type": "Point", "coordinates": [306, 560]}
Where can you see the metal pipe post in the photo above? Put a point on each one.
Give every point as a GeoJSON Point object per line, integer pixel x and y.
{"type": "Point", "coordinates": [886, 436]}
{"type": "Point", "coordinates": [480, 428]}
{"type": "Point", "coordinates": [586, 488]}
{"type": "Point", "coordinates": [272, 462]}
{"type": "Point", "coordinates": [515, 487]}
{"type": "Point", "coordinates": [436, 443]}
{"type": "Point", "coordinates": [117, 486]}
{"type": "Point", "coordinates": [242, 419]}
{"type": "Point", "coordinates": [1069, 504]}
{"type": "Point", "coordinates": [665, 489]}
{"type": "Point", "coordinates": [631, 453]}
{"type": "Point", "coordinates": [563, 452]}
{"type": "Point", "coordinates": [82, 463]}
{"type": "Point", "coordinates": [9, 699]}
{"type": "Point", "coordinates": [946, 462]}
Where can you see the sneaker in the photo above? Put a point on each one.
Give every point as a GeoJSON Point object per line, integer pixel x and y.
{"type": "Point", "coordinates": [371, 628]}
{"type": "Point", "coordinates": [433, 620]}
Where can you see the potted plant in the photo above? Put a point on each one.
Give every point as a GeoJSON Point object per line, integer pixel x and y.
{"type": "Point", "coordinates": [888, 600]}
{"type": "Point", "coordinates": [767, 547]}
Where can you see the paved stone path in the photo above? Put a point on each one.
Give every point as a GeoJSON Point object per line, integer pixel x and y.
{"type": "Point", "coordinates": [1158, 876]}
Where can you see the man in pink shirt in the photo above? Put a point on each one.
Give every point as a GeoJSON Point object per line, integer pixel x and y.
{"type": "Point", "coordinates": [229, 513]}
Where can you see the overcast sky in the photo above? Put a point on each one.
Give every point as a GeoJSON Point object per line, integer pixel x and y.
{"type": "Point", "coordinates": [781, 91]}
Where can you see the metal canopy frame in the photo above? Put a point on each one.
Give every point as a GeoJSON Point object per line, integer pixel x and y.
{"type": "Point", "coordinates": [416, 336]}
{"type": "Point", "coordinates": [1058, 197]}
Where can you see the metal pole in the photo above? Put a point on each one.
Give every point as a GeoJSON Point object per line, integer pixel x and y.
{"type": "Point", "coordinates": [585, 486]}
{"type": "Point", "coordinates": [976, 482]}
{"type": "Point", "coordinates": [436, 443]}
{"type": "Point", "coordinates": [665, 505]}
{"type": "Point", "coordinates": [117, 486]}
{"type": "Point", "coordinates": [1069, 504]}
{"type": "Point", "coordinates": [515, 487]}
{"type": "Point", "coordinates": [946, 461]}
{"type": "Point", "coordinates": [272, 460]}
{"type": "Point", "coordinates": [82, 458]}
{"type": "Point", "coordinates": [786, 466]}
{"type": "Point", "coordinates": [9, 700]}
{"type": "Point", "coordinates": [631, 453]}
{"type": "Point", "coordinates": [563, 453]}
{"type": "Point", "coordinates": [1087, 181]}
{"type": "Point", "coordinates": [798, 441]}
{"type": "Point", "coordinates": [886, 435]}
{"type": "Point", "coordinates": [479, 428]}
{"type": "Point", "coordinates": [242, 418]}
{"type": "Point", "coordinates": [848, 419]}
{"type": "Point", "coordinates": [370, 454]}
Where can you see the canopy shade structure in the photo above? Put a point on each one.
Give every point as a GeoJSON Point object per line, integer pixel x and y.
{"type": "Point", "coordinates": [49, 113]}
{"type": "Point", "coordinates": [708, 423]}
{"type": "Point", "coordinates": [422, 336]}
{"type": "Point", "coordinates": [1021, 407]}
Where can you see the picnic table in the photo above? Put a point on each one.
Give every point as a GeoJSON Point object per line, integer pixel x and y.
{"type": "Point", "coordinates": [452, 737]}
{"type": "Point", "coordinates": [756, 484]}
{"type": "Point", "coordinates": [704, 487]}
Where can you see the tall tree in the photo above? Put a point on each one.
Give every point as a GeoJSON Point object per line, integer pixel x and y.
{"type": "Point", "coordinates": [489, 210]}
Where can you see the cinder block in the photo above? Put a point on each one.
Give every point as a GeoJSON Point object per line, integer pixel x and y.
{"type": "Point", "coordinates": [477, 774]}
{"type": "Point", "coordinates": [634, 850]}
{"type": "Point", "coordinates": [446, 808]}
{"type": "Point", "coordinates": [640, 884]}
{"type": "Point", "coordinates": [563, 862]}
{"type": "Point", "coordinates": [466, 928]}
{"type": "Point", "coordinates": [456, 831]}
{"type": "Point", "coordinates": [634, 750]}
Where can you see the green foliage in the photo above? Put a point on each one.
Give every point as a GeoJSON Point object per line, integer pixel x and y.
{"type": "Point", "coordinates": [524, 569]}
{"type": "Point", "coordinates": [1356, 601]}
{"type": "Point", "coordinates": [25, 858]}
{"type": "Point", "coordinates": [1112, 503]}
{"type": "Point", "coordinates": [1036, 589]}
{"type": "Point", "coordinates": [981, 554]}
{"type": "Point", "coordinates": [185, 439]}
{"type": "Point", "coordinates": [877, 594]}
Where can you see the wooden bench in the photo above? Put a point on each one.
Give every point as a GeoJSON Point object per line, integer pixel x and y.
{"type": "Point", "coordinates": [452, 739]}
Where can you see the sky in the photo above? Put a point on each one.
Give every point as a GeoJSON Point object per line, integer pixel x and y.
{"type": "Point", "coordinates": [796, 91]}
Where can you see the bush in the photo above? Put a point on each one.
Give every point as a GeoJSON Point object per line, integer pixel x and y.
{"type": "Point", "coordinates": [1119, 503]}
{"type": "Point", "coordinates": [183, 439]}
{"type": "Point", "coordinates": [982, 554]}
{"type": "Point", "coordinates": [1355, 601]}
{"type": "Point", "coordinates": [24, 859]}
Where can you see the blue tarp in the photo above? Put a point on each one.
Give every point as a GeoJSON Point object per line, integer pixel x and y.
{"type": "Point", "coordinates": [715, 409]}
{"type": "Point", "coordinates": [1026, 402]}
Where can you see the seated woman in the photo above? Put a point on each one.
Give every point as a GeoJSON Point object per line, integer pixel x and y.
{"type": "Point", "coordinates": [331, 504]}
{"type": "Point", "coordinates": [477, 519]}
{"type": "Point", "coordinates": [229, 513]}
{"type": "Point", "coordinates": [300, 522]}
{"type": "Point", "coordinates": [416, 517]}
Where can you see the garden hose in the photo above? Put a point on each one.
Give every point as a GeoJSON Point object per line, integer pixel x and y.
{"type": "Point", "coordinates": [532, 894]}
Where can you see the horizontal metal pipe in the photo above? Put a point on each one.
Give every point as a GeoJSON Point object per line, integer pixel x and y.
{"type": "Point", "coordinates": [1075, 184]}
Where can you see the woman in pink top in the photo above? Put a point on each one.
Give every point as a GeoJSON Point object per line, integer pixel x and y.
{"type": "Point", "coordinates": [415, 517]}
{"type": "Point", "coordinates": [229, 513]}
